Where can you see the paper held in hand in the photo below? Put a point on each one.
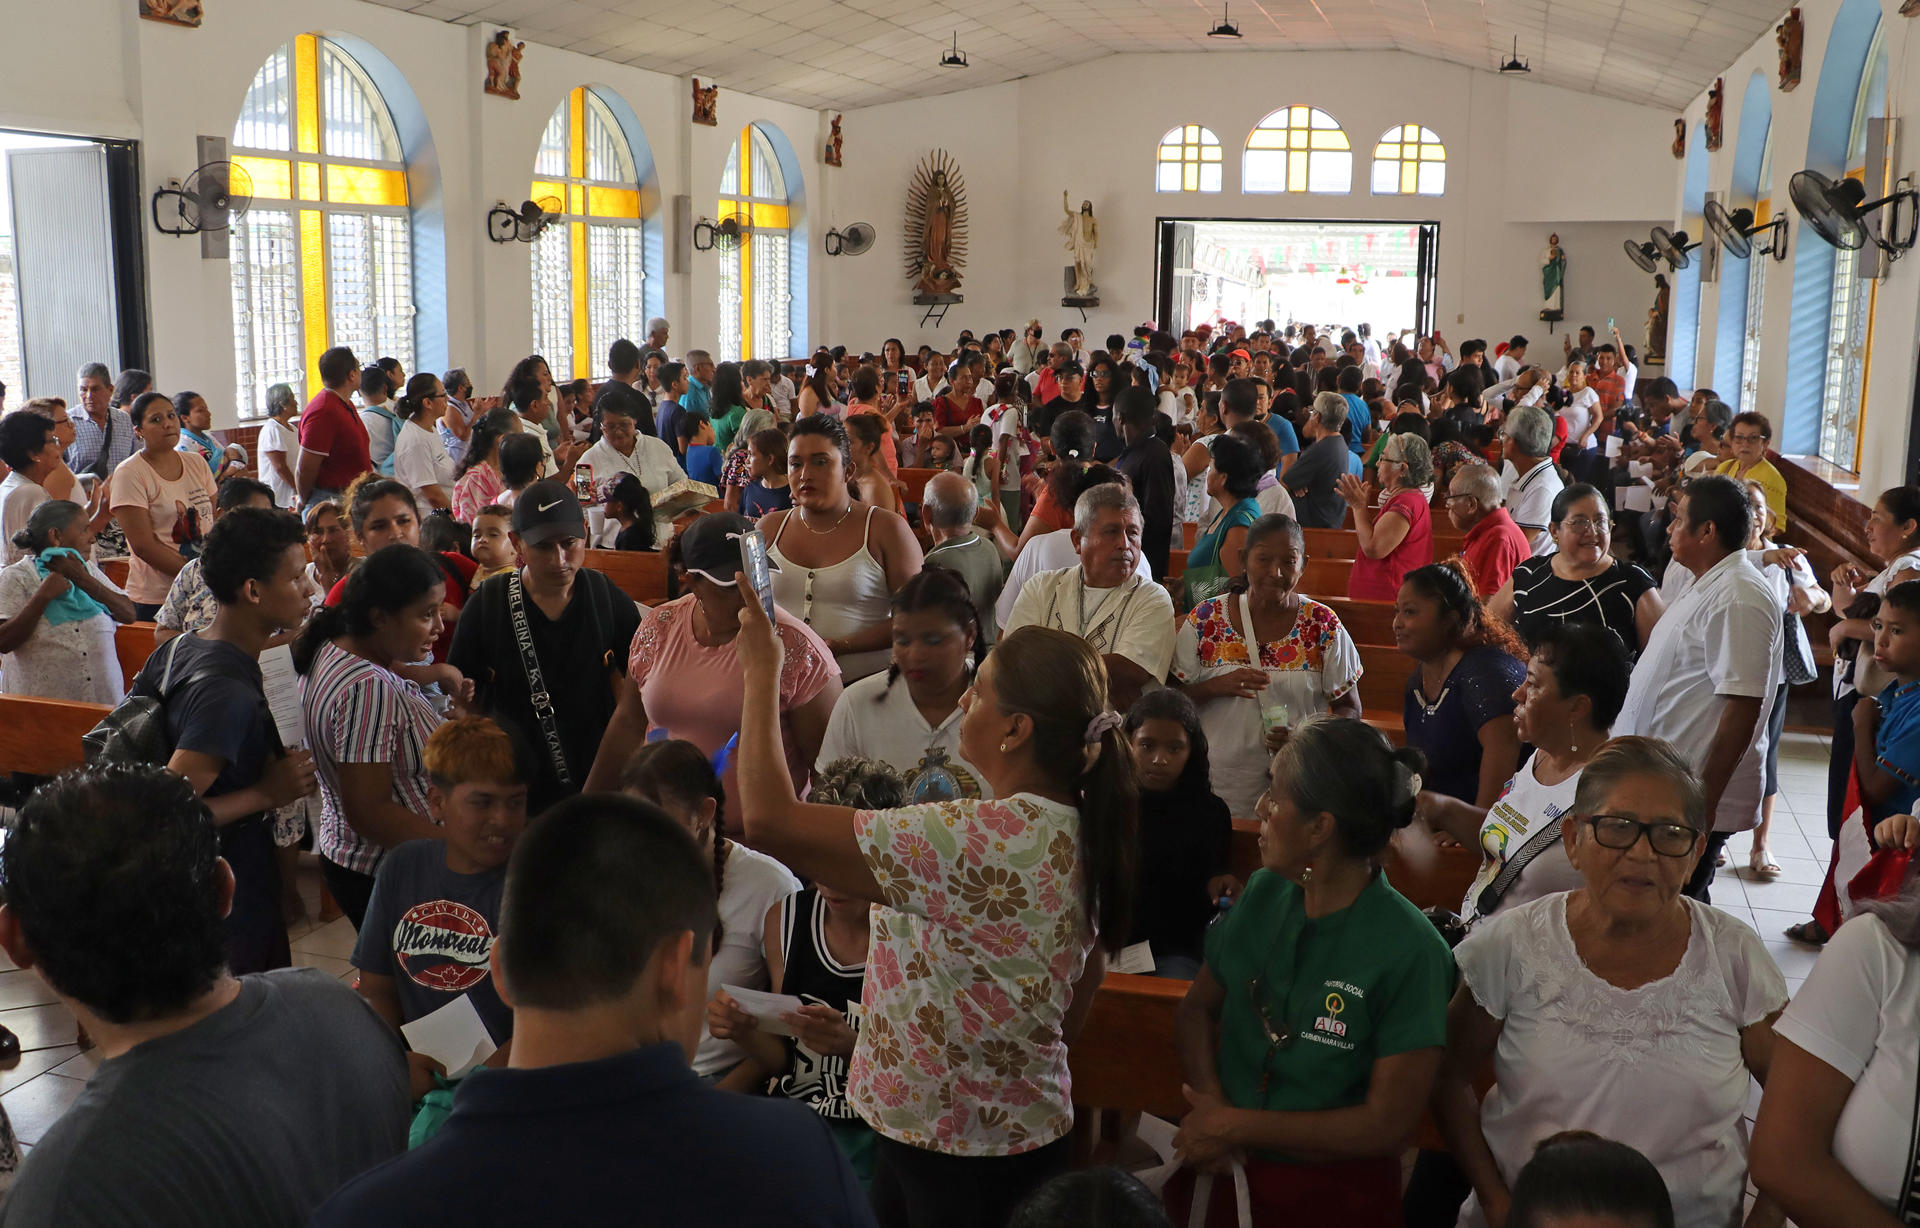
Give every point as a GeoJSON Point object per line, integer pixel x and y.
{"type": "Point", "coordinates": [454, 1036]}
{"type": "Point", "coordinates": [766, 1008]}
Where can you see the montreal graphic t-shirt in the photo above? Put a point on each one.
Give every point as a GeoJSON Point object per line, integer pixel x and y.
{"type": "Point", "coordinates": [432, 931]}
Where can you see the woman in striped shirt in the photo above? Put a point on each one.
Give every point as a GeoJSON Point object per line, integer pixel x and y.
{"type": "Point", "coordinates": [367, 726]}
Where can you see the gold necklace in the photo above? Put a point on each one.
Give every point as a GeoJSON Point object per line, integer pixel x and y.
{"type": "Point", "coordinates": [824, 532]}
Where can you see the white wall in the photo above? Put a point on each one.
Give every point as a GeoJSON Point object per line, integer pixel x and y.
{"type": "Point", "coordinates": [97, 70]}
{"type": "Point", "coordinates": [1896, 320]}
{"type": "Point", "coordinates": [1092, 130]}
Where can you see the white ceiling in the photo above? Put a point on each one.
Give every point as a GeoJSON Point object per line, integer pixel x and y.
{"type": "Point", "coordinates": [833, 54]}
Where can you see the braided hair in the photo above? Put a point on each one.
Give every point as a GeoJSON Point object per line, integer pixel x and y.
{"type": "Point", "coordinates": [939, 589]}
{"type": "Point", "coordinates": [677, 775]}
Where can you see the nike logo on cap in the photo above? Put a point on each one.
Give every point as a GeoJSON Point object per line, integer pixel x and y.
{"type": "Point", "coordinates": [547, 507]}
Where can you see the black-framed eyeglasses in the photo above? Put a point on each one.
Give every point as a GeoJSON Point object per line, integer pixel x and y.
{"type": "Point", "coordinates": [1617, 831]}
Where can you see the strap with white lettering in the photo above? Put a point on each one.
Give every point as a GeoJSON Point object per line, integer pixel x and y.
{"type": "Point", "coordinates": [536, 684]}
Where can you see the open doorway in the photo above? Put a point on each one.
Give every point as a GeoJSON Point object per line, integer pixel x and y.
{"type": "Point", "coordinates": [71, 267]}
{"type": "Point", "coordinates": [1319, 272]}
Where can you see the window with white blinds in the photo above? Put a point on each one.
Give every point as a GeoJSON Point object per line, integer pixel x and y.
{"type": "Point", "coordinates": [553, 298]}
{"type": "Point", "coordinates": [266, 303]}
{"type": "Point", "coordinates": [756, 291]}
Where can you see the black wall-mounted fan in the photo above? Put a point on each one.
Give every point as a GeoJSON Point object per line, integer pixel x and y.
{"type": "Point", "coordinates": [1643, 255]}
{"type": "Point", "coordinates": [1735, 230]}
{"type": "Point", "coordinates": [506, 224]}
{"type": "Point", "coordinates": [1835, 209]}
{"type": "Point", "coordinates": [214, 197]}
{"type": "Point", "coordinates": [852, 241]}
{"type": "Point", "coordinates": [1673, 245]}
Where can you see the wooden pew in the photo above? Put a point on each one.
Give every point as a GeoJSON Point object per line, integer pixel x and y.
{"type": "Point", "coordinates": [114, 570]}
{"type": "Point", "coordinates": [1124, 1058]}
{"type": "Point", "coordinates": [1367, 622]}
{"type": "Point", "coordinates": [1442, 884]}
{"type": "Point", "coordinates": [1345, 543]}
{"type": "Point", "coordinates": [133, 643]}
{"type": "Point", "coordinates": [914, 483]}
{"type": "Point", "coordinates": [41, 737]}
{"type": "Point", "coordinates": [640, 574]}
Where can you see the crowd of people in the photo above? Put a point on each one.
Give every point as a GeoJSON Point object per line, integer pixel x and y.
{"type": "Point", "coordinates": [787, 901]}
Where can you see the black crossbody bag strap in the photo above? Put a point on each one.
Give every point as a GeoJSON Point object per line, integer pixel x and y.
{"type": "Point", "coordinates": [536, 684]}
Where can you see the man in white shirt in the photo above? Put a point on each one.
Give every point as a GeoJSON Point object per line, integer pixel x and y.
{"type": "Point", "coordinates": [1046, 552]}
{"type": "Point", "coordinates": [1508, 365]}
{"type": "Point", "coordinates": [1127, 620]}
{"type": "Point", "coordinates": [1706, 678]}
{"type": "Point", "coordinates": [623, 448]}
{"type": "Point", "coordinates": [1529, 477]}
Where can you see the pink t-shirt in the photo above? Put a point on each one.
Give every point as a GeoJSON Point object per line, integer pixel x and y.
{"type": "Point", "coordinates": [694, 692]}
{"type": "Point", "coordinates": [1379, 579]}
{"type": "Point", "coordinates": [136, 483]}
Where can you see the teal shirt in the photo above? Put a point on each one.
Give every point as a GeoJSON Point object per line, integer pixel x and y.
{"type": "Point", "coordinates": [1364, 983]}
{"type": "Point", "coordinates": [697, 396]}
{"type": "Point", "coordinates": [1206, 545]}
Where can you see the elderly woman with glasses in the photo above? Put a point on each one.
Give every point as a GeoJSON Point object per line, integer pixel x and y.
{"type": "Point", "coordinates": [1581, 581]}
{"type": "Point", "coordinates": [1311, 1034]}
{"type": "Point", "coordinates": [1621, 1007]}
{"type": "Point", "coordinates": [1397, 536]}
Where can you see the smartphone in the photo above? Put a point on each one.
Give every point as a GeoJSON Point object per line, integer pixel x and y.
{"type": "Point", "coordinates": [906, 383]}
{"type": "Point", "coordinates": [583, 484]}
{"type": "Point", "coordinates": [753, 561]}
{"type": "Point", "coordinates": [1609, 323]}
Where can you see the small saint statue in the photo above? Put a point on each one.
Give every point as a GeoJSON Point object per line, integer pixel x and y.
{"type": "Point", "coordinates": [1082, 234]}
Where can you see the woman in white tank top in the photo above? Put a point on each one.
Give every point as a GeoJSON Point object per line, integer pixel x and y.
{"type": "Point", "coordinates": [837, 570]}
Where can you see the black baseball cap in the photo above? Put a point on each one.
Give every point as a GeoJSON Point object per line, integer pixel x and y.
{"type": "Point", "coordinates": [710, 546]}
{"type": "Point", "coordinates": [546, 510]}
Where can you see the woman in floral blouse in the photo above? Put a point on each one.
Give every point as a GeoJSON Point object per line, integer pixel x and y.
{"type": "Point", "coordinates": [983, 963]}
{"type": "Point", "coordinates": [1308, 664]}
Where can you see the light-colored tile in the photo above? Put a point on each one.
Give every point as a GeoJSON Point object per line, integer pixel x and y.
{"type": "Point", "coordinates": [41, 1027]}
{"type": "Point", "coordinates": [82, 1065]}
{"type": "Point", "coordinates": [33, 1065]}
{"type": "Point", "coordinates": [23, 989]}
{"type": "Point", "coordinates": [1772, 924]}
{"type": "Point", "coordinates": [37, 1104]}
{"type": "Point", "coordinates": [1792, 869]}
{"type": "Point", "coordinates": [1794, 959]}
{"type": "Point", "coordinates": [335, 938]}
{"type": "Point", "coordinates": [1782, 895]}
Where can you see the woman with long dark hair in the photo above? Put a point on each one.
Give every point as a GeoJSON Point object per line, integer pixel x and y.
{"type": "Point", "coordinates": [1459, 702]}
{"type": "Point", "coordinates": [986, 934]}
{"type": "Point", "coordinates": [368, 726]}
{"type": "Point", "coordinates": [420, 460]}
{"type": "Point", "coordinates": [163, 499]}
{"type": "Point", "coordinates": [727, 404]}
{"type": "Point", "coordinates": [476, 481]}
{"type": "Point", "coordinates": [1186, 833]}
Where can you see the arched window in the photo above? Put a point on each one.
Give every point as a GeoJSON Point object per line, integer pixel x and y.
{"type": "Point", "coordinates": [1756, 290]}
{"type": "Point", "coordinates": [588, 270]}
{"type": "Point", "coordinates": [325, 256]}
{"type": "Point", "coordinates": [1297, 149]}
{"type": "Point", "coordinates": [1410, 161]}
{"type": "Point", "coordinates": [1188, 161]}
{"type": "Point", "coordinates": [1850, 326]}
{"type": "Point", "coordinates": [755, 292]}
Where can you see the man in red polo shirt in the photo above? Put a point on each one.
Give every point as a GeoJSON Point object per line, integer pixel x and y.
{"type": "Point", "coordinates": [333, 440]}
{"type": "Point", "coordinates": [1494, 544]}
{"type": "Point", "coordinates": [957, 411]}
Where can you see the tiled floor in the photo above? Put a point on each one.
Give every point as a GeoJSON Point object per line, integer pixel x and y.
{"type": "Point", "coordinates": [52, 1068]}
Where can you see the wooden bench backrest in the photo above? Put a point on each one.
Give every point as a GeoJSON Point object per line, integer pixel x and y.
{"type": "Point", "coordinates": [1367, 622]}
{"type": "Point", "coordinates": [41, 737]}
{"type": "Point", "coordinates": [1345, 543]}
{"type": "Point", "coordinates": [640, 574]}
{"type": "Point", "coordinates": [913, 483]}
{"type": "Point", "coordinates": [1125, 1058]}
{"type": "Point", "coordinates": [114, 570]}
{"type": "Point", "coordinates": [1439, 883]}
{"type": "Point", "coordinates": [133, 643]}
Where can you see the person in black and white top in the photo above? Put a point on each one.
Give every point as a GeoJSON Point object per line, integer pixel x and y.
{"type": "Point", "coordinates": [1528, 476]}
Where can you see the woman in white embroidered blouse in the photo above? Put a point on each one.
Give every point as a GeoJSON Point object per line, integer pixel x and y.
{"type": "Point", "coordinates": [983, 963]}
{"type": "Point", "coordinates": [1621, 1007]}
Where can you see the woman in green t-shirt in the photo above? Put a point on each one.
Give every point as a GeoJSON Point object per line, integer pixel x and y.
{"type": "Point", "coordinates": [1312, 1035]}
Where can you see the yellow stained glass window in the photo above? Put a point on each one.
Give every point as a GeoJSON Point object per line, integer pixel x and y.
{"type": "Point", "coordinates": [1409, 161]}
{"type": "Point", "coordinates": [314, 129]}
{"type": "Point", "coordinates": [755, 273]}
{"type": "Point", "coordinates": [587, 269]}
{"type": "Point", "coordinates": [1297, 149]}
{"type": "Point", "coordinates": [1188, 161]}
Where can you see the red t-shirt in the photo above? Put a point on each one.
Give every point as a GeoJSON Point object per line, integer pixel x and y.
{"type": "Point", "coordinates": [456, 595]}
{"type": "Point", "coordinates": [946, 413]}
{"type": "Point", "coordinates": [1492, 549]}
{"type": "Point", "coordinates": [329, 425]}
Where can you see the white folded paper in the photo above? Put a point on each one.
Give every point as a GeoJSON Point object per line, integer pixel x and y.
{"type": "Point", "coordinates": [454, 1036]}
{"type": "Point", "coordinates": [1136, 960]}
{"type": "Point", "coordinates": [1613, 446]}
{"type": "Point", "coordinates": [766, 1008]}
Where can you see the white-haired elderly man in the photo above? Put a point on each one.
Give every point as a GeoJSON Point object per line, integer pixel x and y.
{"type": "Point", "coordinates": [1127, 620]}
{"type": "Point", "coordinates": [947, 510]}
{"type": "Point", "coordinates": [1494, 544]}
{"type": "Point", "coordinates": [1529, 479]}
